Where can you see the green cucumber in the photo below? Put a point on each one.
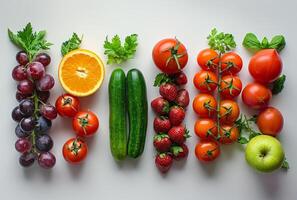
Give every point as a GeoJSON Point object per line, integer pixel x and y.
{"type": "Point", "coordinates": [117, 114]}
{"type": "Point", "coordinates": [137, 112]}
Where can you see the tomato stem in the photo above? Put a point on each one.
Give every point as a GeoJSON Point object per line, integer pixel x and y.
{"type": "Point", "coordinates": [219, 73]}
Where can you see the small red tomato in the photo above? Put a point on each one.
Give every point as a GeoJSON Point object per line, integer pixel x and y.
{"type": "Point", "coordinates": [231, 63]}
{"type": "Point", "coordinates": [265, 66]}
{"type": "Point", "coordinates": [67, 105]}
{"type": "Point", "coordinates": [206, 128]}
{"type": "Point", "coordinates": [230, 86]}
{"type": "Point", "coordinates": [207, 150]}
{"type": "Point", "coordinates": [75, 150]}
{"type": "Point", "coordinates": [229, 111]}
{"type": "Point", "coordinates": [205, 105]}
{"type": "Point", "coordinates": [208, 59]}
{"type": "Point", "coordinates": [205, 81]}
{"type": "Point", "coordinates": [85, 123]}
{"type": "Point", "coordinates": [270, 121]}
{"type": "Point", "coordinates": [228, 134]}
{"type": "Point", "coordinates": [256, 96]}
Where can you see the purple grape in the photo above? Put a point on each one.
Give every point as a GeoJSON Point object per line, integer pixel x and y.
{"type": "Point", "coordinates": [26, 87]}
{"type": "Point", "coordinates": [46, 83]}
{"type": "Point", "coordinates": [19, 73]}
{"type": "Point", "coordinates": [27, 159]}
{"type": "Point", "coordinates": [46, 160]}
{"type": "Point", "coordinates": [35, 70]}
{"type": "Point", "coordinates": [43, 95]}
{"type": "Point", "coordinates": [43, 58]}
{"type": "Point", "coordinates": [21, 134]}
{"type": "Point", "coordinates": [16, 114]}
{"type": "Point", "coordinates": [27, 124]}
{"type": "Point", "coordinates": [27, 107]}
{"type": "Point", "coordinates": [44, 143]}
{"type": "Point", "coordinates": [23, 145]}
{"type": "Point", "coordinates": [43, 125]}
{"type": "Point", "coordinates": [19, 96]}
{"type": "Point", "coordinates": [22, 58]}
{"type": "Point", "coordinates": [48, 111]}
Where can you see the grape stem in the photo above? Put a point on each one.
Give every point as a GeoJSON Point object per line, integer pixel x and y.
{"type": "Point", "coordinates": [35, 114]}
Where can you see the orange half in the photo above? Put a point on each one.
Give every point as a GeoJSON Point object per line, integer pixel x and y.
{"type": "Point", "coordinates": [81, 72]}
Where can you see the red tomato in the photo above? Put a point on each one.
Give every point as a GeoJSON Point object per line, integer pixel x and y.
{"type": "Point", "coordinates": [207, 150]}
{"type": "Point", "coordinates": [205, 81]}
{"type": "Point", "coordinates": [256, 96]}
{"type": "Point", "coordinates": [208, 59]}
{"type": "Point", "coordinates": [230, 86]}
{"type": "Point", "coordinates": [75, 150]}
{"type": "Point", "coordinates": [170, 56]}
{"type": "Point", "coordinates": [85, 123]}
{"type": "Point", "coordinates": [231, 63]}
{"type": "Point", "coordinates": [206, 128]}
{"type": "Point", "coordinates": [229, 111]}
{"type": "Point", "coordinates": [265, 66]}
{"type": "Point", "coordinates": [67, 105]}
{"type": "Point", "coordinates": [270, 121]}
{"type": "Point", "coordinates": [228, 134]}
{"type": "Point", "coordinates": [205, 105]}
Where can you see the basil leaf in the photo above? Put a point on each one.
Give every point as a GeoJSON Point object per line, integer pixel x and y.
{"type": "Point", "coordinates": [251, 41]}
{"type": "Point", "coordinates": [278, 84]}
{"type": "Point", "coordinates": [278, 42]}
{"type": "Point", "coordinates": [265, 43]}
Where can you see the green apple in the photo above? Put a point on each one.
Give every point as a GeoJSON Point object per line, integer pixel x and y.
{"type": "Point", "coordinates": [264, 153]}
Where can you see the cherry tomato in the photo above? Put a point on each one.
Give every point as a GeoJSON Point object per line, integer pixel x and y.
{"type": "Point", "coordinates": [231, 63]}
{"type": "Point", "coordinates": [85, 123]}
{"type": "Point", "coordinates": [207, 150]}
{"type": "Point", "coordinates": [228, 134]}
{"type": "Point", "coordinates": [265, 66]}
{"type": "Point", "coordinates": [256, 96]}
{"type": "Point", "coordinates": [75, 150]}
{"type": "Point", "coordinates": [67, 105]}
{"type": "Point", "coordinates": [230, 86]}
{"type": "Point", "coordinates": [270, 121]}
{"type": "Point", "coordinates": [206, 128]}
{"type": "Point", "coordinates": [208, 59]}
{"type": "Point", "coordinates": [170, 56]}
{"type": "Point", "coordinates": [204, 105]}
{"type": "Point", "coordinates": [229, 111]}
{"type": "Point", "coordinates": [205, 81]}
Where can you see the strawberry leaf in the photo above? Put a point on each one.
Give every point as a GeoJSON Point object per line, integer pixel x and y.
{"type": "Point", "coordinates": [162, 78]}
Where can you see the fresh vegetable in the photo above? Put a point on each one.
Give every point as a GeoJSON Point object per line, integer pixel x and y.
{"type": "Point", "coordinates": [117, 52]}
{"type": "Point", "coordinates": [229, 111]}
{"type": "Point", "coordinates": [162, 124]}
{"type": "Point", "coordinates": [117, 114]}
{"type": "Point", "coordinates": [228, 134]}
{"type": "Point", "coordinates": [230, 86]}
{"type": "Point", "coordinates": [176, 115]}
{"type": "Point", "coordinates": [85, 123]}
{"type": "Point", "coordinates": [75, 150]}
{"type": "Point", "coordinates": [164, 162]}
{"type": "Point", "coordinates": [204, 105]}
{"type": "Point", "coordinates": [256, 96]}
{"type": "Point", "coordinates": [72, 44]}
{"type": "Point", "coordinates": [178, 134]}
{"type": "Point", "coordinates": [170, 55]}
{"type": "Point", "coordinates": [162, 142]}
{"type": "Point", "coordinates": [137, 112]}
{"type": "Point", "coordinates": [205, 81]}
{"type": "Point", "coordinates": [208, 59]}
{"type": "Point", "coordinates": [67, 105]}
{"type": "Point", "coordinates": [231, 63]}
{"type": "Point", "coordinates": [270, 121]}
{"type": "Point", "coordinates": [207, 150]}
{"type": "Point", "coordinates": [205, 128]}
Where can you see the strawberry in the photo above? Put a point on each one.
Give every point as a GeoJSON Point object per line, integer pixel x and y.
{"type": "Point", "coordinates": [163, 162]}
{"type": "Point", "coordinates": [179, 152]}
{"type": "Point", "coordinates": [176, 115]}
{"type": "Point", "coordinates": [182, 98]}
{"type": "Point", "coordinates": [162, 142]}
{"type": "Point", "coordinates": [168, 91]}
{"type": "Point", "coordinates": [178, 134]}
{"type": "Point", "coordinates": [162, 124]}
{"type": "Point", "coordinates": [160, 106]}
{"type": "Point", "coordinates": [181, 78]}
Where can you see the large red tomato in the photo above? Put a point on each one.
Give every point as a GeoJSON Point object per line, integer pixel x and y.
{"type": "Point", "coordinates": [170, 56]}
{"type": "Point", "coordinates": [256, 96]}
{"type": "Point", "coordinates": [265, 66]}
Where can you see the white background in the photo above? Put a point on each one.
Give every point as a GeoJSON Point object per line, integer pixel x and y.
{"type": "Point", "coordinates": [100, 177]}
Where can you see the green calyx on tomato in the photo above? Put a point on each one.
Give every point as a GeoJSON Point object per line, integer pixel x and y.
{"type": "Point", "coordinates": [75, 147]}
{"type": "Point", "coordinates": [175, 55]}
{"type": "Point", "coordinates": [84, 122]}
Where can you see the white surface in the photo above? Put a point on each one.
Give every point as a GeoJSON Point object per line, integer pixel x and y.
{"type": "Point", "coordinates": [100, 177]}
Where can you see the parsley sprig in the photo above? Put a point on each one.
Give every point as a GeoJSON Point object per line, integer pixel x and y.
{"type": "Point", "coordinates": [221, 41]}
{"type": "Point", "coordinates": [73, 43]}
{"type": "Point", "coordinates": [29, 41]}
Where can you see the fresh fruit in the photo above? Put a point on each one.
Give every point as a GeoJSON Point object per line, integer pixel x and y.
{"type": "Point", "coordinates": [206, 128]}
{"type": "Point", "coordinates": [16, 114]}
{"type": "Point", "coordinates": [81, 72]}
{"type": "Point", "coordinates": [160, 106]}
{"type": "Point", "coordinates": [26, 107]}
{"type": "Point", "coordinates": [162, 142]}
{"type": "Point", "coordinates": [46, 83]}
{"type": "Point", "coordinates": [27, 159]}
{"type": "Point", "coordinates": [183, 98]}
{"type": "Point", "coordinates": [207, 150]}
{"type": "Point", "coordinates": [163, 162]}
{"type": "Point", "coordinates": [264, 153]}
{"type": "Point", "coordinates": [256, 96]}
{"type": "Point", "coordinates": [20, 133]}
{"type": "Point", "coordinates": [176, 115]}
{"type": "Point", "coordinates": [67, 105]}
{"type": "Point", "coordinates": [162, 124]}
{"type": "Point", "coordinates": [168, 91]}
{"type": "Point", "coordinates": [22, 58]}
{"type": "Point", "coordinates": [23, 145]}
{"type": "Point", "coordinates": [265, 66]}
{"type": "Point", "coordinates": [27, 124]}
{"type": "Point", "coordinates": [178, 134]}
{"type": "Point", "coordinates": [35, 70]}
{"type": "Point", "coordinates": [229, 111]}
{"type": "Point", "coordinates": [75, 150]}
{"type": "Point", "coordinates": [270, 121]}
{"type": "Point", "coordinates": [205, 81]}
{"type": "Point", "coordinates": [204, 105]}
{"type": "Point", "coordinates": [180, 78]}
{"type": "Point", "coordinates": [19, 73]}
{"type": "Point", "coordinates": [44, 143]}
{"type": "Point", "coordinates": [43, 125]}
{"type": "Point", "coordinates": [43, 58]}
{"type": "Point", "coordinates": [228, 134]}
{"type": "Point", "coordinates": [43, 96]}
{"type": "Point", "coordinates": [85, 123]}
{"type": "Point", "coordinates": [179, 152]}
{"type": "Point", "coordinates": [208, 59]}
{"type": "Point", "coordinates": [137, 112]}
{"type": "Point", "coordinates": [231, 63]}
{"type": "Point", "coordinates": [230, 86]}
{"type": "Point", "coordinates": [19, 96]}
{"type": "Point", "coordinates": [46, 160]}
{"type": "Point", "coordinates": [48, 111]}
{"type": "Point", "coordinates": [25, 87]}
{"type": "Point", "coordinates": [170, 55]}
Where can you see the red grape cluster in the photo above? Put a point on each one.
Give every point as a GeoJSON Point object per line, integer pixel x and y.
{"type": "Point", "coordinates": [33, 114]}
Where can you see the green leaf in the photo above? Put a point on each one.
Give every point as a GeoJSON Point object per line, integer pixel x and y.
{"type": "Point", "coordinates": [242, 140]}
{"type": "Point", "coordinates": [221, 42]}
{"type": "Point", "coordinates": [117, 52]}
{"type": "Point", "coordinates": [285, 164]}
{"type": "Point", "coordinates": [162, 78]}
{"type": "Point", "coordinates": [251, 41]}
{"type": "Point", "coordinates": [73, 43]}
{"type": "Point", "coordinates": [278, 84]}
{"type": "Point", "coordinates": [264, 43]}
{"type": "Point", "coordinates": [254, 134]}
{"type": "Point", "coordinates": [278, 42]}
